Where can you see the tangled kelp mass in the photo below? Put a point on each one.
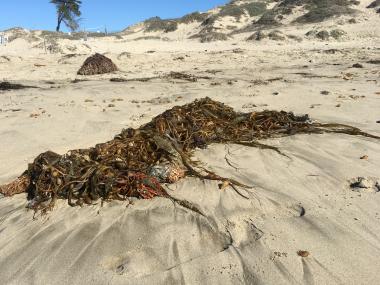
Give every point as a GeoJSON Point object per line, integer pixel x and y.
{"type": "Point", "coordinates": [97, 64]}
{"type": "Point", "coordinates": [137, 161]}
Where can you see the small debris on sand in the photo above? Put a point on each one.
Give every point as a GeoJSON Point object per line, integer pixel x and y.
{"type": "Point", "coordinates": [374, 61]}
{"type": "Point", "coordinates": [76, 80]}
{"type": "Point", "coordinates": [142, 79]}
{"type": "Point", "coordinates": [303, 253]}
{"type": "Point", "coordinates": [185, 76]}
{"type": "Point", "coordinates": [182, 76]}
{"type": "Point", "coordinates": [361, 182]}
{"type": "Point", "coordinates": [124, 54]}
{"type": "Point", "coordinates": [249, 105]}
{"type": "Point", "coordinates": [357, 65]}
{"type": "Point", "coordinates": [365, 184]}
{"type": "Point", "coordinates": [34, 115]}
{"type": "Point", "coordinates": [348, 76]}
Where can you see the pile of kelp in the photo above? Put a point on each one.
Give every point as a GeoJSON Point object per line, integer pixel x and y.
{"type": "Point", "coordinates": [6, 86]}
{"type": "Point", "coordinates": [137, 162]}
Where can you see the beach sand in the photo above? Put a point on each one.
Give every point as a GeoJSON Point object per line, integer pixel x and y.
{"type": "Point", "coordinates": [300, 202]}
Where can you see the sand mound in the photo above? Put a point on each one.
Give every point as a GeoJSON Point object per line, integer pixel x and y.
{"type": "Point", "coordinates": [97, 64]}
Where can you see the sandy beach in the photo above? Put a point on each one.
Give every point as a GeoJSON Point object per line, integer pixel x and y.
{"type": "Point", "coordinates": [299, 202]}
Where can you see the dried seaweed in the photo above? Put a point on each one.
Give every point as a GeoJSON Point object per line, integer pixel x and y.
{"type": "Point", "coordinates": [182, 76]}
{"type": "Point", "coordinates": [140, 79]}
{"type": "Point", "coordinates": [374, 61]}
{"type": "Point", "coordinates": [6, 86]}
{"type": "Point", "coordinates": [185, 76]}
{"type": "Point", "coordinates": [97, 64]}
{"type": "Point", "coordinates": [171, 75]}
{"type": "Point", "coordinates": [15, 187]}
{"type": "Point", "coordinates": [123, 167]}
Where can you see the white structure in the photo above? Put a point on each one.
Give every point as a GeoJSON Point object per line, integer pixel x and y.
{"type": "Point", "coordinates": [3, 39]}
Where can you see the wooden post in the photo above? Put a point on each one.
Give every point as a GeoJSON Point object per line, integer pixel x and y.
{"type": "Point", "coordinates": [45, 44]}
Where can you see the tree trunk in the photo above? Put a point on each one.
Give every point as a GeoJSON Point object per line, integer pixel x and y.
{"type": "Point", "coordinates": [60, 18]}
{"type": "Point", "coordinates": [58, 25]}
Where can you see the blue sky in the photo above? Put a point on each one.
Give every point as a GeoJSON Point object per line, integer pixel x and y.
{"type": "Point", "coordinates": [115, 14]}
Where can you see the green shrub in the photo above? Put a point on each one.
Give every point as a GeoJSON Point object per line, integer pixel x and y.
{"type": "Point", "coordinates": [337, 33]}
{"type": "Point", "coordinates": [232, 11]}
{"type": "Point", "coordinates": [193, 17]}
{"type": "Point", "coordinates": [255, 8]}
{"type": "Point", "coordinates": [157, 24]}
{"type": "Point", "coordinates": [210, 37]}
{"type": "Point", "coordinates": [320, 13]}
{"type": "Point", "coordinates": [321, 10]}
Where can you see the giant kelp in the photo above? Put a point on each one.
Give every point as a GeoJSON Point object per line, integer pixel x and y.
{"type": "Point", "coordinates": [97, 64]}
{"type": "Point", "coordinates": [137, 161]}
